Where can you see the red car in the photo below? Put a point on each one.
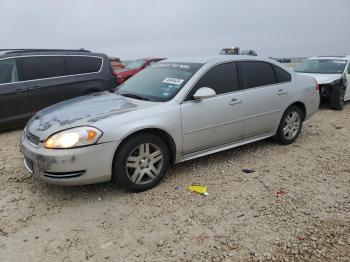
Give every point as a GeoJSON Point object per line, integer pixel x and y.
{"type": "Point", "coordinates": [134, 67]}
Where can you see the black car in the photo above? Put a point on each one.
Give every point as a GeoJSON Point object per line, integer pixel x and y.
{"type": "Point", "coordinates": [31, 80]}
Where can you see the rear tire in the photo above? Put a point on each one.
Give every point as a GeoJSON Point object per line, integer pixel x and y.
{"type": "Point", "coordinates": [141, 162]}
{"type": "Point", "coordinates": [290, 126]}
{"type": "Point", "coordinates": [337, 97]}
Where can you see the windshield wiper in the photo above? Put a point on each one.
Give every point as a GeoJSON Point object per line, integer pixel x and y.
{"type": "Point", "coordinates": [135, 96]}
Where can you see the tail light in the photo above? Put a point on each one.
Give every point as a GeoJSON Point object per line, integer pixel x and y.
{"type": "Point", "coordinates": [317, 86]}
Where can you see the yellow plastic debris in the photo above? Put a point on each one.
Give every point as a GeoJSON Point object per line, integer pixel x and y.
{"type": "Point", "coordinates": [203, 190]}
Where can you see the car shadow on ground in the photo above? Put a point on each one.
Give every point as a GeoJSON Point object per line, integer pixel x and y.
{"type": "Point", "coordinates": [326, 106]}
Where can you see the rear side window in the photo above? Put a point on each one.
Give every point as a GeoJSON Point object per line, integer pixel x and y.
{"type": "Point", "coordinates": [83, 64]}
{"type": "Point", "coordinates": [282, 75]}
{"type": "Point", "coordinates": [8, 71]}
{"type": "Point", "coordinates": [40, 67]}
{"type": "Point", "coordinates": [256, 74]}
{"type": "Point", "coordinates": [222, 78]}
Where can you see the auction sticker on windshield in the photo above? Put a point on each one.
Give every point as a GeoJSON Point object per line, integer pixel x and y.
{"type": "Point", "coordinates": [174, 81]}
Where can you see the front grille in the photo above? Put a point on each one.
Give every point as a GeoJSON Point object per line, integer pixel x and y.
{"type": "Point", "coordinates": [32, 139]}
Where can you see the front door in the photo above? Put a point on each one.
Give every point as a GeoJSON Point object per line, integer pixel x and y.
{"type": "Point", "coordinates": [14, 108]}
{"type": "Point", "coordinates": [217, 120]}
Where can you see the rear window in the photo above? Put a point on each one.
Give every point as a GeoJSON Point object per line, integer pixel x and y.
{"type": "Point", "coordinates": [40, 67]}
{"type": "Point", "coordinates": [282, 75]}
{"type": "Point", "coordinates": [83, 64]}
{"type": "Point", "coordinates": [255, 74]}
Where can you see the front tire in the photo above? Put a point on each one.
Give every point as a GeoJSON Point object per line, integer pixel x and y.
{"type": "Point", "coordinates": [337, 97]}
{"type": "Point", "coordinates": [290, 126]}
{"type": "Point", "coordinates": [141, 162]}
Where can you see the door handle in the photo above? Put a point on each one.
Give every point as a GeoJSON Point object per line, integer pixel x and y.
{"type": "Point", "coordinates": [20, 90]}
{"type": "Point", "coordinates": [235, 101]}
{"type": "Point", "coordinates": [282, 92]}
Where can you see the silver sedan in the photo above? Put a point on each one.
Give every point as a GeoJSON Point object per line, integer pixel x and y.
{"type": "Point", "coordinates": [173, 111]}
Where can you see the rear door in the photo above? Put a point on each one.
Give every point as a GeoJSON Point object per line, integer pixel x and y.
{"type": "Point", "coordinates": [47, 81]}
{"type": "Point", "coordinates": [217, 120]}
{"type": "Point", "coordinates": [14, 107]}
{"type": "Point", "coordinates": [266, 89]}
{"type": "Point", "coordinates": [91, 75]}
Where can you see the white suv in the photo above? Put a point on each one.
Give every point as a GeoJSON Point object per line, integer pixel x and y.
{"type": "Point", "coordinates": [332, 73]}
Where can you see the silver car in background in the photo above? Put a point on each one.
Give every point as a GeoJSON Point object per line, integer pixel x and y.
{"type": "Point", "coordinates": [173, 111]}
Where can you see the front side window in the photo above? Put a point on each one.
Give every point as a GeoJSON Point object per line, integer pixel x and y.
{"type": "Point", "coordinates": [39, 67]}
{"type": "Point", "coordinates": [83, 64]}
{"type": "Point", "coordinates": [221, 78]}
{"type": "Point", "coordinates": [8, 71]}
{"type": "Point", "coordinates": [321, 66]}
{"type": "Point", "coordinates": [255, 74]}
{"type": "Point", "coordinates": [160, 82]}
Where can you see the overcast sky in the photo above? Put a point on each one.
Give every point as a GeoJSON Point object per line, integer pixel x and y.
{"type": "Point", "coordinates": [140, 28]}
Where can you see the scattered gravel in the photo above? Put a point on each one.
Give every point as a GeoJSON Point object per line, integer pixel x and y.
{"type": "Point", "coordinates": [295, 206]}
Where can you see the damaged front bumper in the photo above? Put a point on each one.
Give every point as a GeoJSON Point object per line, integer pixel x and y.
{"type": "Point", "coordinates": [76, 166]}
{"type": "Point", "coordinates": [325, 91]}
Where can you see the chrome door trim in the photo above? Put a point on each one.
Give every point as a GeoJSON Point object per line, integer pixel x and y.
{"type": "Point", "coordinates": [226, 146]}
{"type": "Point", "coordinates": [56, 77]}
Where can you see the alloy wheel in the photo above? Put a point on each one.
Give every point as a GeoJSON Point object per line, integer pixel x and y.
{"type": "Point", "coordinates": [144, 163]}
{"type": "Point", "coordinates": [291, 125]}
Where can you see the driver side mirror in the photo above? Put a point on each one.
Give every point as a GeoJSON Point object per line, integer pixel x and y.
{"type": "Point", "coordinates": [203, 93]}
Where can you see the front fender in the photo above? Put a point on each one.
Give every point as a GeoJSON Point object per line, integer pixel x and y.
{"type": "Point", "coordinates": [166, 118]}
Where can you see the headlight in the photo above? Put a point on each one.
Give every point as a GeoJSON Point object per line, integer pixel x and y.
{"type": "Point", "coordinates": [337, 82]}
{"type": "Point", "coordinates": [75, 137]}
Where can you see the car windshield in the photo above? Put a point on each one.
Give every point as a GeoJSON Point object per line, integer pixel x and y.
{"type": "Point", "coordinates": [160, 82]}
{"type": "Point", "coordinates": [321, 66]}
{"type": "Point", "coordinates": [135, 64]}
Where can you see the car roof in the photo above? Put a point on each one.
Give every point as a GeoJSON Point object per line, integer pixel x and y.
{"type": "Point", "coordinates": [29, 52]}
{"type": "Point", "coordinates": [335, 57]}
{"type": "Point", "coordinates": [217, 59]}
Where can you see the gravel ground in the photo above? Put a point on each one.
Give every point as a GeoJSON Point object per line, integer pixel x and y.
{"type": "Point", "coordinates": [294, 207]}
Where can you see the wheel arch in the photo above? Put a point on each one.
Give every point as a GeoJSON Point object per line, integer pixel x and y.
{"type": "Point", "coordinates": [300, 105]}
{"type": "Point", "coordinates": [165, 136]}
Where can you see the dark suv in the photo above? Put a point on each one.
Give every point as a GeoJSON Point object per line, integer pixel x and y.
{"type": "Point", "coordinates": [31, 80]}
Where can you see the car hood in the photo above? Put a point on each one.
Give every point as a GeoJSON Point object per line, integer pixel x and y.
{"type": "Point", "coordinates": [80, 111]}
{"type": "Point", "coordinates": [324, 78]}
